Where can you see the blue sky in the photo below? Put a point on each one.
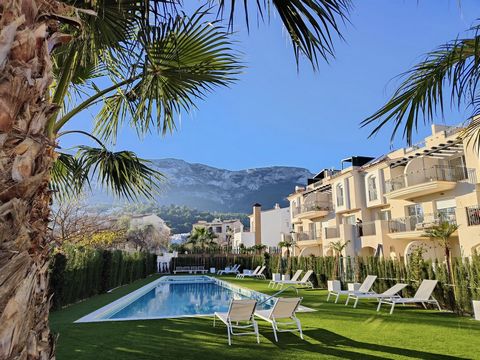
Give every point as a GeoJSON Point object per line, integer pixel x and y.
{"type": "Point", "coordinates": [276, 116]}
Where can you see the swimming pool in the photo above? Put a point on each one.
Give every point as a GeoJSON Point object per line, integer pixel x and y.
{"type": "Point", "coordinates": [176, 296]}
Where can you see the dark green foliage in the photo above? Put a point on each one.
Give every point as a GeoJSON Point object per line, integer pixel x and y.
{"type": "Point", "coordinates": [456, 297]}
{"type": "Point", "coordinates": [79, 273]}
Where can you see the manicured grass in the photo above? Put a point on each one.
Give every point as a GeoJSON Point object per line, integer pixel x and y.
{"type": "Point", "coordinates": [333, 332]}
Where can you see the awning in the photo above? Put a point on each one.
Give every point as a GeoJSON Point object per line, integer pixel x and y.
{"type": "Point", "coordinates": [441, 151]}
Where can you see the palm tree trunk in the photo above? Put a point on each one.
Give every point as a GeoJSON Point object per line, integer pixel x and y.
{"type": "Point", "coordinates": [449, 265]}
{"type": "Point", "coordinates": [26, 156]}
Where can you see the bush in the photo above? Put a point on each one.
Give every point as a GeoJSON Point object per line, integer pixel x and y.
{"type": "Point", "coordinates": [456, 297]}
{"type": "Point", "coordinates": [79, 272]}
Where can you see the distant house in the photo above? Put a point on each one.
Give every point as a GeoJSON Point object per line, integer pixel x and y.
{"type": "Point", "coordinates": [267, 227]}
{"type": "Point", "coordinates": [221, 228]}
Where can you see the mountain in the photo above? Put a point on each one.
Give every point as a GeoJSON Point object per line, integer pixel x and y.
{"type": "Point", "coordinates": [208, 188]}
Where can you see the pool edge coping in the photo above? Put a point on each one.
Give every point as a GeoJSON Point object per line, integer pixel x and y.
{"type": "Point", "coordinates": [122, 302]}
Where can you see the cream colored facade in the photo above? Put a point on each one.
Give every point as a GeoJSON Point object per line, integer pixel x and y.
{"type": "Point", "coordinates": [383, 206]}
{"type": "Point", "coordinates": [221, 228]}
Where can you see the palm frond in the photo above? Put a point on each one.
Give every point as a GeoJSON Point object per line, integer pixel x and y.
{"type": "Point", "coordinates": [68, 176]}
{"type": "Point", "coordinates": [183, 59]}
{"type": "Point", "coordinates": [121, 173]}
{"type": "Point", "coordinates": [450, 72]}
{"type": "Point", "coordinates": [311, 24]}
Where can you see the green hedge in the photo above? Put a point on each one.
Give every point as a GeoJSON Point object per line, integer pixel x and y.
{"type": "Point", "coordinates": [456, 296]}
{"type": "Point", "coordinates": [79, 273]}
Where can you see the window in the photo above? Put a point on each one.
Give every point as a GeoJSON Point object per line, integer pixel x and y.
{"type": "Point", "coordinates": [340, 195]}
{"type": "Point", "coordinates": [372, 188]}
{"type": "Point", "coordinates": [386, 215]}
{"type": "Point", "coordinates": [415, 216]}
{"type": "Point", "coordinates": [350, 219]}
{"type": "Point", "coordinates": [218, 229]}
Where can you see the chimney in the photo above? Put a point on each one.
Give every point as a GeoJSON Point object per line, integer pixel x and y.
{"type": "Point", "coordinates": [257, 223]}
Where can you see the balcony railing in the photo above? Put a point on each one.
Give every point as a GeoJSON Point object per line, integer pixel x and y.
{"type": "Point", "coordinates": [312, 206]}
{"type": "Point", "coordinates": [331, 233]}
{"type": "Point", "coordinates": [366, 229]}
{"type": "Point", "coordinates": [419, 222]}
{"type": "Point", "coordinates": [435, 173]}
{"type": "Point", "coordinates": [473, 215]}
{"type": "Point", "coordinates": [307, 235]}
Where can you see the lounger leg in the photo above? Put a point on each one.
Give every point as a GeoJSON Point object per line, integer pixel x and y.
{"type": "Point", "coordinates": [391, 309]}
{"type": "Point", "coordinates": [274, 326]}
{"type": "Point", "coordinates": [438, 305]}
{"type": "Point", "coordinates": [348, 300]}
{"type": "Point", "coordinates": [356, 302]}
{"type": "Point", "coordinates": [336, 300]}
{"type": "Point", "coordinates": [424, 306]}
{"type": "Point", "coordinates": [214, 320]}
{"type": "Point", "coordinates": [255, 326]}
{"type": "Point", "coordinates": [299, 325]}
{"type": "Point", "coordinates": [328, 297]}
{"type": "Point", "coordinates": [379, 304]}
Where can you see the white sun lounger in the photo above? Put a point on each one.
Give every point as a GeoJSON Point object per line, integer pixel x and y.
{"type": "Point", "coordinates": [240, 276]}
{"type": "Point", "coordinates": [259, 274]}
{"type": "Point", "coordinates": [284, 308]}
{"type": "Point", "coordinates": [387, 294]}
{"type": "Point", "coordinates": [422, 296]}
{"type": "Point", "coordinates": [305, 281]}
{"type": "Point", "coordinates": [295, 277]}
{"type": "Point", "coordinates": [240, 311]}
{"type": "Point", "coordinates": [334, 288]}
{"type": "Point", "coordinates": [233, 270]}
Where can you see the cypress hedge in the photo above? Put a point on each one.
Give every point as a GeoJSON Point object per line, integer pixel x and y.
{"type": "Point", "coordinates": [78, 273]}
{"type": "Point", "coordinates": [455, 295]}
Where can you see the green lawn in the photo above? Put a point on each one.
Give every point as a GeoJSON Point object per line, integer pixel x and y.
{"type": "Point", "coordinates": [332, 332]}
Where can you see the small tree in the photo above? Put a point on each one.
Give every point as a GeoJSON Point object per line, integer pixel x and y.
{"type": "Point", "coordinates": [287, 245]}
{"type": "Point", "coordinates": [337, 247]}
{"type": "Point", "coordinates": [201, 236]}
{"type": "Point", "coordinates": [442, 233]}
{"type": "Point", "coordinates": [259, 248]}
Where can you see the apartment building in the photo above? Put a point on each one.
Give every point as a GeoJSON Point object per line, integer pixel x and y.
{"type": "Point", "coordinates": [223, 229]}
{"type": "Point", "coordinates": [383, 206]}
{"type": "Point", "coordinates": [267, 227]}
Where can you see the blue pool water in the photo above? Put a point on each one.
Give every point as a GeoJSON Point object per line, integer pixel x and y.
{"type": "Point", "coordinates": [175, 299]}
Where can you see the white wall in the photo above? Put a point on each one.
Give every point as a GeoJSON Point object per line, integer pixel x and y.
{"type": "Point", "coordinates": [274, 223]}
{"type": "Point", "coordinates": [245, 238]}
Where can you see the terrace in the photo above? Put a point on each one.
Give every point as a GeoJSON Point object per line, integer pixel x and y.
{"type": "Point", "coordinates": [415, 226]}
{"type": "Point", "coordinates": [333, 331]}
{"type": "Point", "coordinates": [437, 178]}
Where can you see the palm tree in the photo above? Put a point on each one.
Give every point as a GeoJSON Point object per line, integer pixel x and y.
{"type": "Point", "coordinates": [449, 73]}
{"type": "Point", "coordinates": [203, 237]}
{"type": "Point", "coordinates": [156, 62]}
{"type": "Point", "coordinates": [287, 245]}
{"type": "Point", "coordinates": [337, 247]}
{"type": "Point", "coordinates": [442, 233]}
{"type": "Point", "coordinates": [259, 248]}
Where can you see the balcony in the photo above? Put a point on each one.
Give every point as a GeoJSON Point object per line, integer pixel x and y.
{"type": "Point", "coordinates": [312, 209]}
{"type": "Point", "coordinates": [332, 233]}
{"type": "Point", "coordinates": [427, 181]}
{"type": "Point", "coordinates": [308, 238]}
{"type": "Point", "coordinates": [473, 215]}
{"type": "Point", "coordinates": [413, 227]}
